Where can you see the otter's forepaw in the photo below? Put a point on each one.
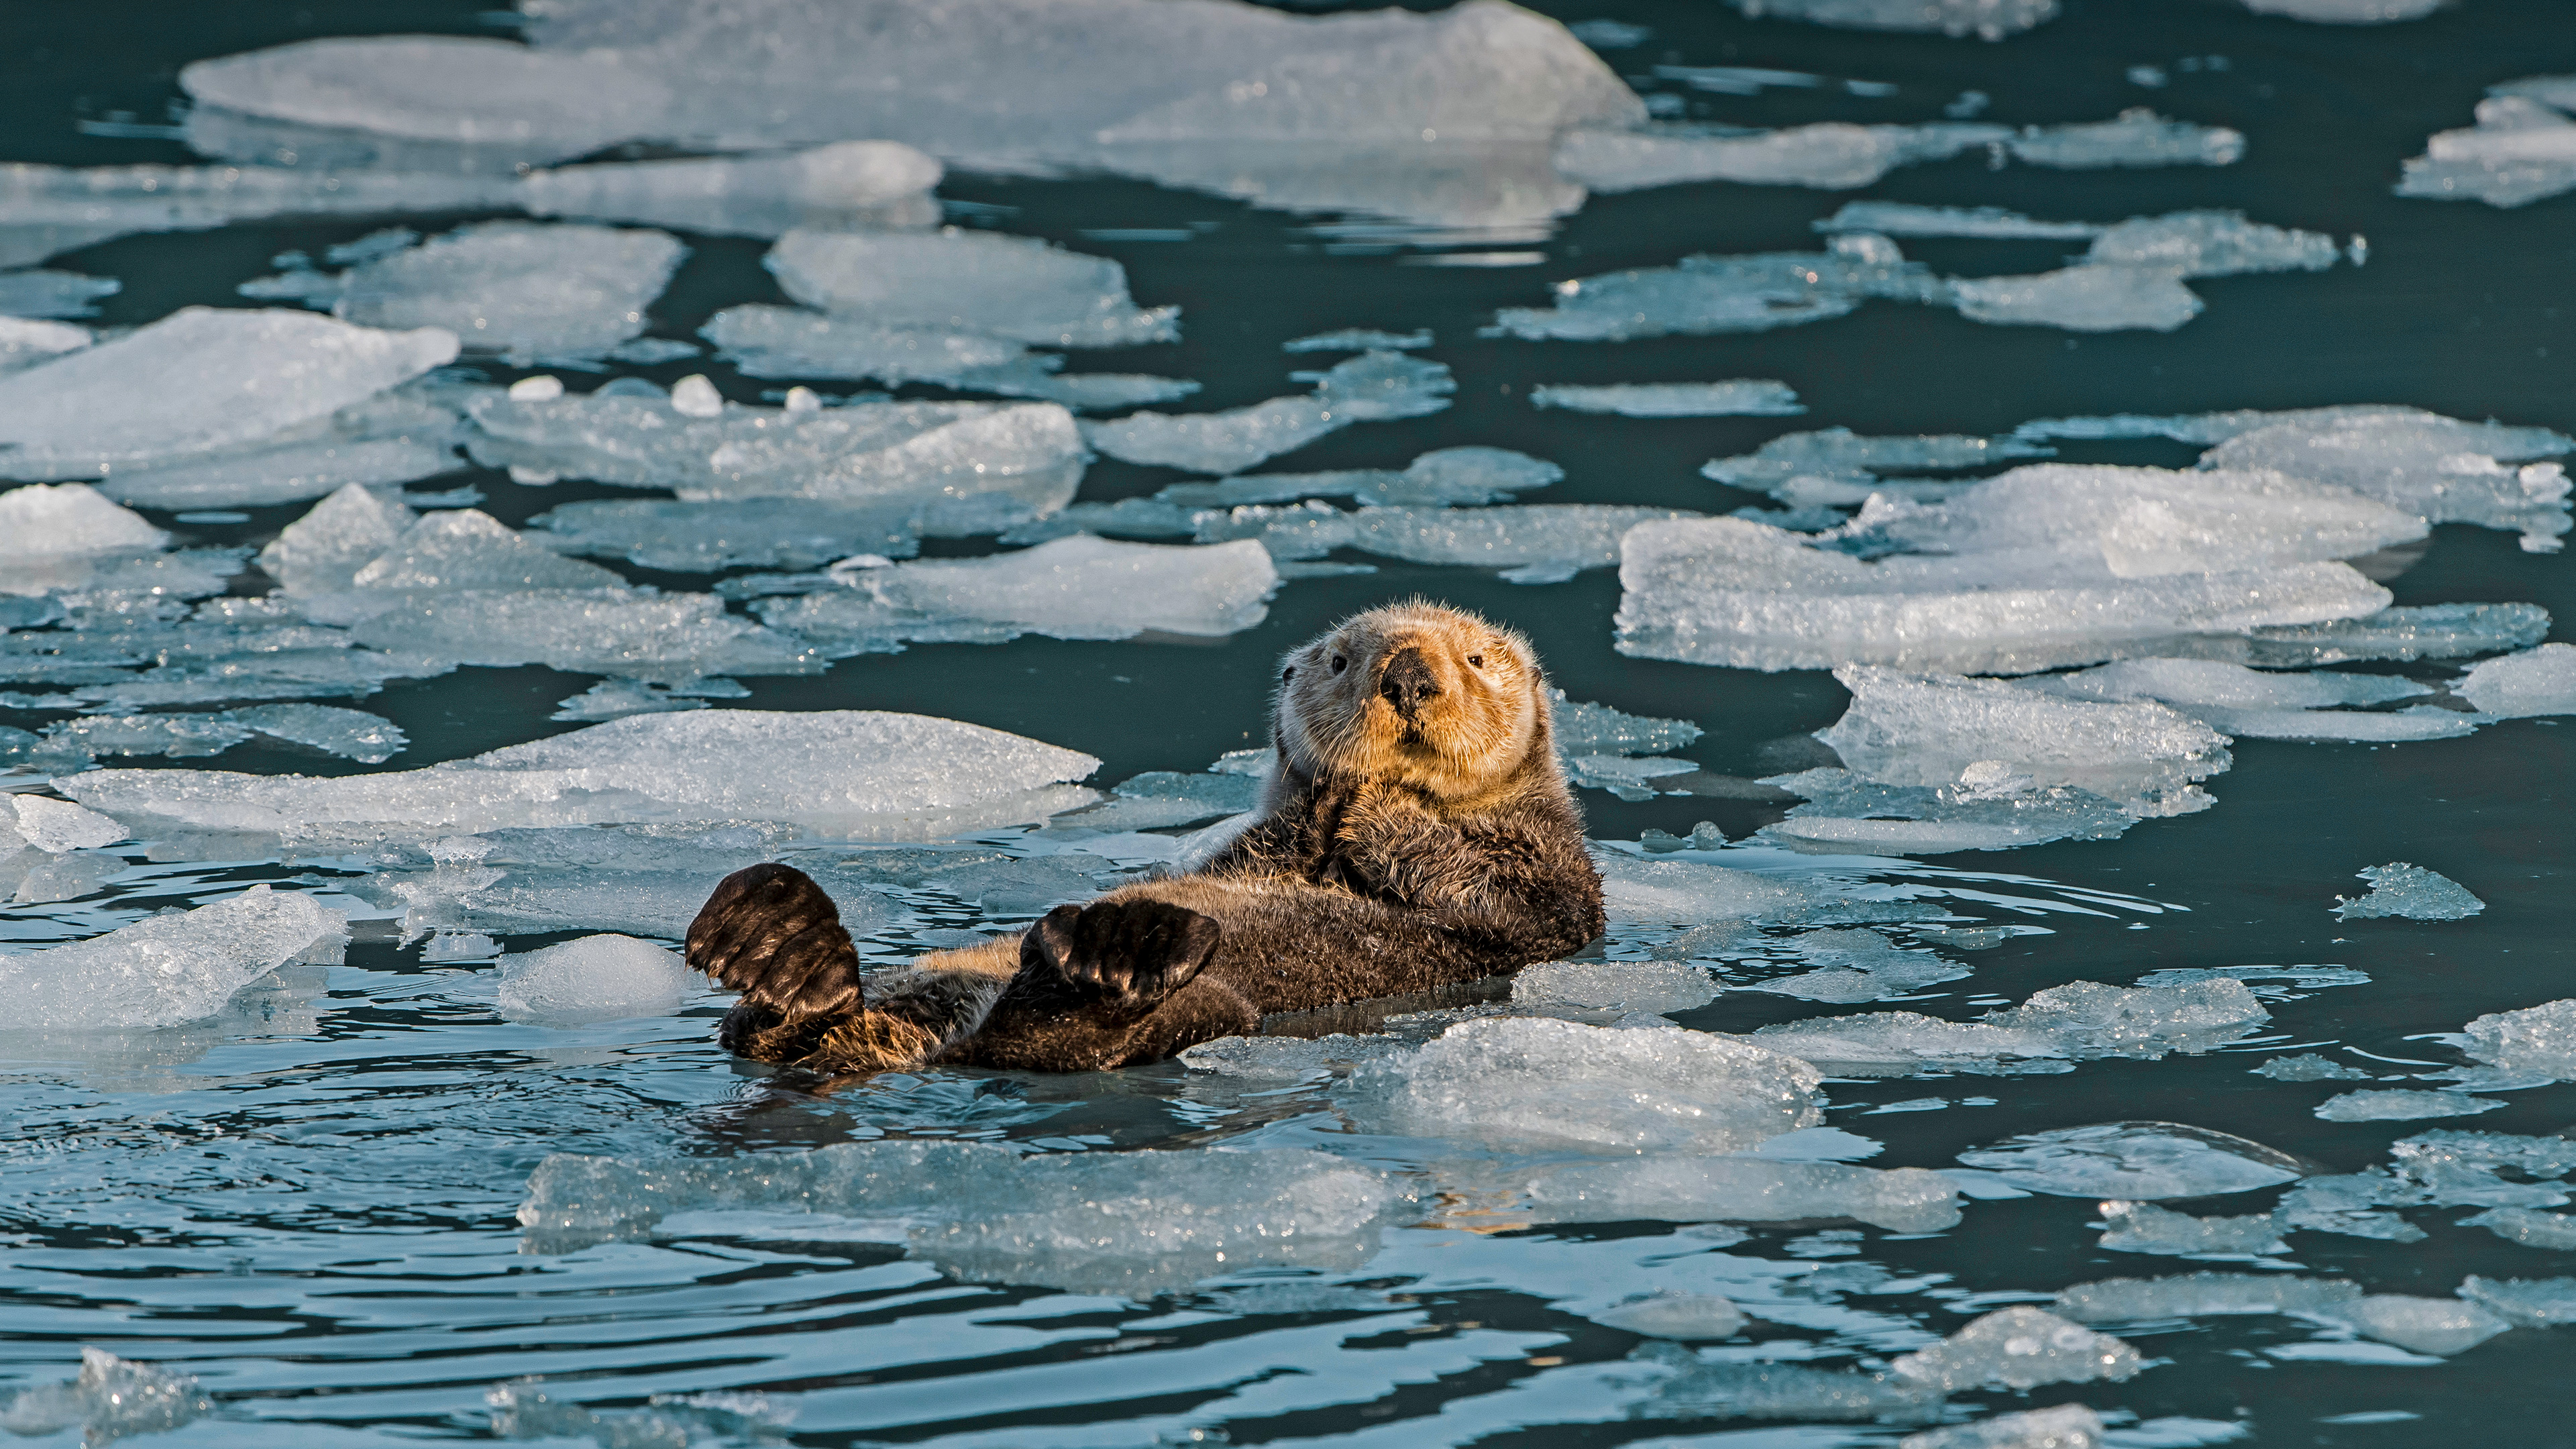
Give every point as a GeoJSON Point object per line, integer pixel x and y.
{"type": "Point", "coordinates": [1119, 958]}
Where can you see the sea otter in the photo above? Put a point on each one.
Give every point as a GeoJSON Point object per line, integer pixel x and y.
{"type": "Point", "coordinates": [1416, 831]}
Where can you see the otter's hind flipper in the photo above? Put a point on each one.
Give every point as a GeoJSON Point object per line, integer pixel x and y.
{"type": "Point", "coordinates": [770, 933]}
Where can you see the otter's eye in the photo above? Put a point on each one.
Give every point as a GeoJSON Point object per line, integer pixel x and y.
{"type": "Point", "coordinates": [1287, 674]}
{"type": "Point", "coordinates": [1475, 661]}
{"type": "Point", "coordinates": [1340, 664]}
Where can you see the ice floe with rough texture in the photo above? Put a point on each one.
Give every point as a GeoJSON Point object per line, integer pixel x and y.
{"type": "Point", "coordinates": [109, 1399]}
{"type": "Point", "coordinates": [849, 184]}
{"type": "Point", "coordinates": [1830, 155]}
{"type": "Point", "coordinates": [2402, 1106]}
{"type": "Point", "coordinates": [69, 520]}
{"type": "Point", "coordinates": [2555, 1232]}
{"type": "Point", "coordinates": [2200, 1295]}
{"type": "Point", "coordinates": [1620, 987]}
{"type": "Point", "coordinates": [2238, 701]}
{"type": "Point", "coordinates": [596, 978]}
{"type": "Point", "coordinates": [1001, 286]}
{"type": "Point", "coordinates": [348, 733]}
{"type": "Point", "coordinates": [841, 772]}
{"type": "Point", "coordinates": [1538, 1083]}
{"type": "Point", "coordinates": [58, 825]}
{"type": "Point", "coordinates": [2137, 1161]}
{"type": "Point", "coordinates": [1534, 543]}
{"type": "Point", "coordinates": [1985, 19]}
{"type": "Point", "coordinates": [1372, 387]}
{"type": "Point", "coordinates": [2138, 1227]}
{"type": "Point", "coordinates": [2309, 1067]}
{"type": "Point", "coordinates": [2067, 1426]}
{"type": "Point", "coordinates": [1991, 806]}
{"type": "Point", "coordinates": [779, 533]}
{"type": "Point", "coordinates": [2411, 891]}
{"type": "Point", "coordinates": [2540, 1040]}
{"type": "Point", "coordinates": [1080, 587]}
{"type": "Point", "coordinates": [1743, 1189]}
{"type": "Point", "coordinates": [2443, 469]}
{"type": "Point", "coordinates": [2019, 1348]}
{"type": "Point", "coordinates": [2522, 149]}
{"type": "Point", "coordinates": [961, 465]}
{"type": "Point", "coordinates": [199, 379]}
{"type": "Point", "coordinates": [2533, 1302]}
{"type": "Point", "coordinates": [2518, 686]}
{"type": "Point", "coordinates": [761, 340]}
{"type": "Point", "coordinates": [1706, 294]}
{"type": "Point", "coordinates": [1671, 399]}
{"type": "Point", "coordinates": [168, 969]}
{"type": "Point", "coordinates": [2135, 137]}
{"type": "Point", "coordinates": [2078, 1021]}
{"type": "Point", "coordinates": [1115, 1222]}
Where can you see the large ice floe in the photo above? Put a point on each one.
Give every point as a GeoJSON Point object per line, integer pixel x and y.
{"type": "Point", "coordinates": [844, 773]}
{"type": "Point", "coordinates": [168, 969]}
{"type": "Point", "coordinates": [1444, 118]}
{"type": "Point", "coordinates": [1133, 1223]}
{"type": "Point", "coordinates": [2522, 149]}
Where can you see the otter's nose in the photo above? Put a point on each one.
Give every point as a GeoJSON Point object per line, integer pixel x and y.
{"type": "Point", "coordinates": [1407, 681]}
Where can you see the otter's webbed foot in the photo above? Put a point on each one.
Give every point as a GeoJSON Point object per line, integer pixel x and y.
{"type": "Point", "coordinates": [1114, 961]}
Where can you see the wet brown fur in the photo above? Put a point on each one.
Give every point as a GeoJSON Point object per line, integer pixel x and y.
{"type": "Point", "coordinates": [1416, 831]}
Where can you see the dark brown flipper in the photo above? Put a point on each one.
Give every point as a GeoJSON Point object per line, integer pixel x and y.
{"type": "Point", "coordinates": [770, 933]}
{"type": "Point", "coordinates": [1088, 977]}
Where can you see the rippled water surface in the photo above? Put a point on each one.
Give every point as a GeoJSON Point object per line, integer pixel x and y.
{"type": "Point", "coordinates": [311, 1202]}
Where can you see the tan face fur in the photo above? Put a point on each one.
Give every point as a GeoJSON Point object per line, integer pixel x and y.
{"type": "Point", "coordinates": [1419, 695]}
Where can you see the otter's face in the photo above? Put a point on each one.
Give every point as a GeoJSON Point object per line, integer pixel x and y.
{"type": "Point", "coordinates": [1414, 694]}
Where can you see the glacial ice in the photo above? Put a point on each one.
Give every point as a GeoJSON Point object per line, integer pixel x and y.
{"type": "Point", "coordinates": [979, 282]}
{"type": "Point", "coordinates": [165, 970]}
{"type": "Point", "coordinates": [1830, 155]}
{"type": "Point", "coordinates": [1533, 1082]}
{"type": "Point", "coordinates": [596, 978]}
{"type": "Point", "coordinates": [197, 379]}
{"type": "Point", "coordinates": [43, 520]}
{"type": "Point", "coordinates": [1134, 1223]}
{"type": "Point", "coordinates": [53, 294]}
{"type": "Point", "coordinates": [1372, 387]}
{"type": "Point", "coordinates": [1671, 399]}
{"type": "Point", "coordinates": [1990, 806]}
{"type": "Point", "coordinates": [1926, 729]}
{"type": "Point", "coordinates": [59, 825]}
{"type": "Point", "coordinates": [1660, 987]}
{"type": "Point", "coordinates": [2445, 470]}
{"type": "Point", "coordinates": [25, 342]}
{"type": "Point", "coordinates": [847, 183]}
{"type": "Point", "coordinates": [2309, 1067]}
{"type": "Point", "coordinates": [1079, 587]}
{"type": "Point", "coordinates": [1985, 19]}
{"type": "Point", "coordinates": [2439, 1326]}
{"type": "Point", "coordinates": [2133, 1161]}
{"type": "Point", "coordinates": [2399, 889]}
{"type": "Point", "coordinates": [2136, 137]}
{"type": "Point", "coordinates": [2532, 1302]}
{"type": "Point", "coordinates": [2242, 702]}
{"type": "Point", "coordinates": [2518, 686]}
{"type": "Point", "coordinates": [2082, 299]}
{"type": "Point", "coordinates": [2211, 244]}
{"type": "Point", "coordinates": [1905, 218]}
{"type": "Point", "coordinates": [1535, 543]}
{"type": "Point", "coordinates": [523, 289]}
{"type": "Point", "coordinates": [2522, 149]}
{"type": "Point", "coordinates": [2078, 1021]}
{"type": "Point", "coordinates": [962, 465]}
{"type": "Point", "coordinates": [2540, 1040]}
{"type": "Point", "coordinates": [111, 1398]}
{"type": "Point", "coordinates": [2138, 1227]}
{"type": "Point", "coordinates": [2438, 631]}
{"type": "Point", "coordinates": [1706, 294]}
{"type": "Point", "coordinates": [2019, 1348]}
{"type": "Point", "coordinates": [784, 533]}
{"type": "Point", "coordinates": [2403, 1106]}
{"type": "Point", "coordinates": [1681, 1317]}
{"type": "Point", "coordinates": [761, 340]}
{"type": "Point", "coordinates": [1748, 1190]}
{"type": "Point", "coordinates": [856, 773]}
{"type": "Point", "coordinates": [2066, 1426]}
{"type": "Point", "coordinates": [2199, 1295]}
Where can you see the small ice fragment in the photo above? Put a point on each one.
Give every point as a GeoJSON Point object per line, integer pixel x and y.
{"type": "Point", "coordinates": [845, 184]}
{"type": "Point", "coordinates": [2211, 244]}
{"type": "Point", "coordinates": [322, 552]}
{"type": "Point", "coordinates": [349, 733]}
{"type": "Point", "coordinates": [1672, 399]}
{"type": "Point", "coordinates": [1070, 588]}
{"type": "Point", "coordinates": [2134, 1161]}
{"type": "Point", "coordinates": [2019, 1348]}
{"type": "Point", "coordinates": [1745, 1189]}
{"type": "Point", "coordinates": [2537, 1039]}
{"type": "Point", "coordinates": [164, 970]}
{"type": "Point", "coordinates": [1718, 294]}
{"type": "Point", "coordinates": [1831, 155]}
{"type": "Point", "coordinates": [2529, 1227]}
{"type": "Point", "coordinates": [1003, 286]}
{"type": "Point", "coordinates": [2197, 1295]}
{"type": "Point", "coordinates": [1286, 1056]}
{"type": "Point", "coordinates": [460, 946]}
{"type": "Point", "coordinates": [1683, 1317]}
{"type": "Point", "coordinates": [2402, 1106]}
{"type": "Point", "coordinates": [2399, 889]}
{"type": "Point", "coordinates": [2093, 298]}
{"type": "Point", "coordinates": [1662, 987]}
{"type": "Point", "coordinates": [59, 825]}
{"type": "Point", "coordinates": [2534, 1302]}
{"type": "Point", "coordinates": [2136, 137]}
{"type": "Point", "coordinates": [68, 520]}
{"type": "Point", "coordinates": [802, 399]}
{"type": "Point", "coordinates": [1902, 218]}
{"type": "Point", "coordinates": [110, 1399]}
{"type": "Point", "coordinates": [2538, 681]}
{"type": "Point", "coordinates": [695, 397]}
{"type": "Point", "coordinates": [595, 978]}
{"type": "Point", "coordinates": [1985, 19]}
{"type": "Point", "coordinates": [2137, 1227]}
{"type": "Point", "coordinates": [1359, 339]}
{"type": "Point", "coordinates": [2309, 1068]}
{"type": "Point", "coordinates": [53, 294]}
{"type": "Point", "coordinates": [552, 289]}
{"type": "Point", "coordinates": [26, 342]}
{"type": "Point", "coordinates": [2441, 1326]}
{"type": "Point", "coordinates": [545, 387]}
{"type": "Point", "coordinates": [2523, 148]}
{"type": "Point", "coordinates": [1566, 1085]}
{"type": "Point", "coordinates": [1610, 34]}
{"type": "Point", "coordinates": [2347, 12]}
{"type": "Point", "coordinates": [2067, 1426]}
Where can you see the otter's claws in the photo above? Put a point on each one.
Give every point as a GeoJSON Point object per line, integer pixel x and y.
{"type": "Point", "coordinates": [1120, 958]}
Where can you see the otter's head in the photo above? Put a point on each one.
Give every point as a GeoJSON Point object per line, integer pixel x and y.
{"type": "Point", "coordinates": [1421, 695]}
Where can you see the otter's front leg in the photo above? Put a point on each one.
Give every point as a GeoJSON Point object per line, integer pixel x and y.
{"type": "Point", "coordinates": [1105, 984]}
{"type": "Point", "coordinates": [1520, 893]}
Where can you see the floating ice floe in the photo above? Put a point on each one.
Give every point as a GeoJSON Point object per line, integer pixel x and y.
{"type": "Point", "coordinates": [1443, 119]}
{"type": "Point", "coordinates": [58, 825]}
{"type": "Point", "coordinates": [2079, 1021]}
{"type": "Point", "coordinates": [1905, 218]}
{"type": "Point", "coordinates": [1621, 988]}
{"type": "Point", "coordinates": [526, 290]}
{"type": "Point", "coordinates": [2411, 891]}
{"type": "Point", "coordinates": [2067, 1426]}
{"type": "Point", "coordinates": [879, 184]}
{"type": "Point", "coordinates": [2132, 275]}
{"type": "Point", "coordinates": [2135, 137]}
{"type": "Point", "coordinates": [1538, 543]}
{"type": "Point", "coordinates": [401, 436]}
{"type": "Point", "coordinates": [957, 465]}
{"type": "Point", "coordinates": [110, 1399]}
{"type": "Point", "coordinates": [2437, 1326]}
{"type": "Point", "coordinates": [2347, 12]}
{"type": "Point", "coordinates": [25, 342]}
{"type": "Point", "coordinates": [1830, 155]}
{"type": "Point", "coordinates": [1136, 1223]}
{"type": "Point", "coordinates": [967, 281]}
{"type": "Point", "coordinates": [596, 978]}
{"type": "Point", "coordinates": [2537, 1040]}
{"type": "Point", "coordinates": [696, 538]}
{"type": "Point", "coordinates": [2242, 702]}
{"type": "Point", "coordinates": [2133, 1161]}
{"type": "Point", "coordinates": [1372, 387]}
{"type": "Point", "coordinates": [1991, 806]}
{"type": "Point", "coordinates": [199, 379]}
{"type": "Point", "coordinates": [2518, 686]}
{"type": "Point", "coordinates": [2081, 299]}
{"type": "Point", "coordinates": [1080, 587]}
{"type": "Point", "coordinates": [53, 294]}
{"type": "Point", "coordinates": [1537, 1083]}
{"type": "Point", "coordinates": [2138, 1227]}
{"type": "Point", "coordinates": [1985, 19]}
{"type": "Point", "coordinates": [2533, 1302]}
{"type": "Point", "coordinates": [1358, 339]}
{"type": "Point", "coordinates": [1682, 1317]}
{"type": "Point", "coordinates": [2403, 1106]}
{"type": "Point", "coordinates": [1717, 294]}
{"type": "Point", "coordinates": [2019, 1348]}
{"type": "Point", "coordinates": [2201, 1295]}
{"type": "Point", "coordinates": [2522, 149]}
{"type": "Point", "coordinates": [170, 969]}
{"type": "Point", "coordinates": [602, 878]}
{"type": "Point", "coordinates": [761, 340]}
{"type": "Point", "coordinates": [1742, 1189]}
{"type": "Point", "coordinates": [1790, 466]}
{"type": "Point", "coordinates": [2442, 469]}
{"type": "Point", "coordinates": [2309, 1067]}
{"type": "Point", "coordinates": [842, 773]}
{"type": "Point", "coordinates": [2555, 1232]}
{"type": "Point", "coordinates": [348, 733]}
{"type": "Point", "coordinates": [1671, 399]}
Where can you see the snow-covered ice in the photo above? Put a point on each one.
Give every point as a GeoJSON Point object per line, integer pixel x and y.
{"type": "Point", "coordinates": [845, 773]}
{"type": "Point", "coordinates": [595, 978]}
{"type": "Point", "coordinates": [2019, 1348]}
{"type": "Point", "coordinates": [1744, 1189]}
{"type": "Point", "coordinates": [1671, 399]}
{"type": "Point", "coordinates": [969, 281]}
{"type": "Point", "coordinates": [1080, 587]}
{"type": "Point", "coordinates": [2134, 1161]}
{"type": "Point", "coordinates": [199, 378]}
{"type": "Point", "coordinates": [2411, 891]}
{"type": "Point", "coordinates": [1538, 1083]}
{"type": "Point", "coordinates": [2538, 681]}
{"type": "Point", "coordinates": [165, 970]}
